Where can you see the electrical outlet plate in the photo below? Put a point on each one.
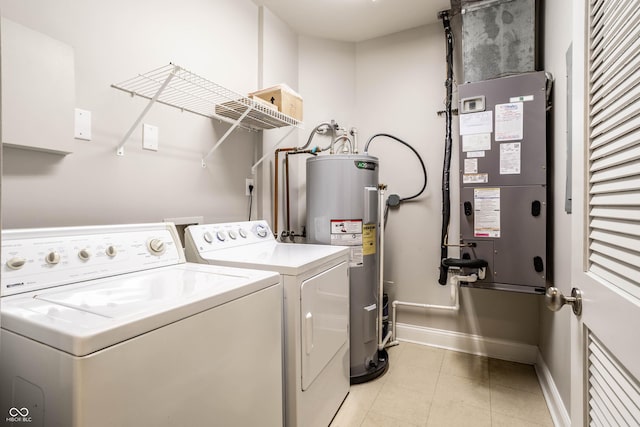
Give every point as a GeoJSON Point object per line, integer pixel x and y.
{"type": "Point", "coordinates": [150, 137]}
{"type": "Point", "coordinates": [247, 183]}
{"type": "Point", "coordinates": [82, 128]}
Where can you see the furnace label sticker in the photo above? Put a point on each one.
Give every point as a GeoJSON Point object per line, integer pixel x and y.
{"type": "Point", "coordinates": [474, 123]}
{"type": "Point", "coordinates": [474, 154]}
{"type": "Point", "coordinates": [348, 232]}
{"type": "Point", "coordinates": [475, 178]}
{"type": "Point", "coordinates": [470, 166]}
{"type": "Point", "coordinates": [509, 121]}
{"type": "Point", "coordinates": [486, 203]}
{"type": "Point", "coordinates": [477, 142]}
{"type": "Point", "coordinates": [510, 158]}
{"type": "Point", "coordinates": [523, 98]}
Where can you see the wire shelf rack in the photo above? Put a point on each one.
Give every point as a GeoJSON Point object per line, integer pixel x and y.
{"type": "Point", "coordinates": [178, 87]}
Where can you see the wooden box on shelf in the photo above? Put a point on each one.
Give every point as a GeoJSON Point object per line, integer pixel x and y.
{"type": "Point", "coordinates": [284, 98]}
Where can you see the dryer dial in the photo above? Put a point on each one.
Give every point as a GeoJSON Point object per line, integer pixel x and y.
{"type": "Point", "coordinates": [156, 246]}
{"type": "Point", "coordinates": [242, 233]}
{"type": "Point", "coordinates": [208, 237]}
{"type": "Point", "coordinates": [261, 231]}
{"type": "Point", "coordinates": [111, 251]}
{"type": "Point", "coordinates": [84, 254]}
{"type": "Point", "coordinates": [52, 258]}
{"type": "Point", "coordinates": [16, 263]}
{"type": "Point", "coordinates": [221, 236]}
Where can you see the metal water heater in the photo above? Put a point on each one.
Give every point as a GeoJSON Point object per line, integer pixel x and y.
{"type": "Point", "coordinates": [342, 209]}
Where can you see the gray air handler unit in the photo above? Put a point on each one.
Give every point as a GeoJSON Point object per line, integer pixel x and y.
{"type": "Point", "coordinates": [342, 209]}
{"type": "Point", "coordinates": [503, 176]}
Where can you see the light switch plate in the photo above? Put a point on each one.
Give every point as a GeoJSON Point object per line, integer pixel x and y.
{"type": "Point", "coordinates": [82, 125]}
{"type": "Point", "coordinates": [150, 137]}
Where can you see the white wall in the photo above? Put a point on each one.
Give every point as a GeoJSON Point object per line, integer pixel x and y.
{"type": "Point", "coordinates": [114, 41]}
{"type": "Point", "coordinates": [327, 83]}
{"type": "Point", "coordinates": [278, 64]}
{"type": "Point", "coordinates": [555, 327]}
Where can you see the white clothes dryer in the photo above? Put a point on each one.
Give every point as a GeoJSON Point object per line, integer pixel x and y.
{"type": "Point", "coordinates": [109, 326]}
{"type": "Point", "coordinates": [316, 310]}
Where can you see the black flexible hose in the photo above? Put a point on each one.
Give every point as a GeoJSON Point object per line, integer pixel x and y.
{"type": "Point", "coordinates": [424, 169]}
{"type": "Point", "coordinates": [446, 193]}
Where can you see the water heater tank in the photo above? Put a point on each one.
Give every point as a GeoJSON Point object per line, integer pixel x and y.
{"type": "Point", "coordinates": [342, 209]}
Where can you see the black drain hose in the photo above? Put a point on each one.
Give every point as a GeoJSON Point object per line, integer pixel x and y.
{"type": "Point", "coordinates": [446, 199]}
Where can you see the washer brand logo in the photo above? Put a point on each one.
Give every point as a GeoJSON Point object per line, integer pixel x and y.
{"type": "Point", "coordinates": [13, 285]}
{"type": "Point", "coordinates": [18, 415]}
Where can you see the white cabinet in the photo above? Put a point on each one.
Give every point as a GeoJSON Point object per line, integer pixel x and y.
{"type": "Point", "coordinates": [38, 90]}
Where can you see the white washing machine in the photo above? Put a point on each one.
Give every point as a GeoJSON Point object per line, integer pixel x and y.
{"type": "Point", "coordinates": [316, 304]}
{"type": "Point", "coordinates": [109, 326]}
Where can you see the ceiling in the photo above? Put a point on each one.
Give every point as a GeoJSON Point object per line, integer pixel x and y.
{"type": "Point", "coordinates": [354, 20]}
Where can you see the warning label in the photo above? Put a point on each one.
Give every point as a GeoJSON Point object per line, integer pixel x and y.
{"type": "Point", "coordinates": [486, 212]}
{"type": "Point", "coordinates": [348, 232]}
{"type": "Point", "coordinates": [369, 239]}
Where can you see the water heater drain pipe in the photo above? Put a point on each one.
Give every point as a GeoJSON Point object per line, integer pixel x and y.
{"type": "Point", "coordinates": [382, 341]}
{"type": "Point", "coordinates": [455, 297]}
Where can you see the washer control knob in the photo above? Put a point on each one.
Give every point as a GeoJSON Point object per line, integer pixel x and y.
{"type": "Point", "coordinates": [52, 258]}
{"type": "Point", "coordinates": [221, 236]}
{"type": "Point", "coordinates": [84, 254]}
{"type": "Point", "coordinates": [233, 235]}
{"type": "Point", "coordinates": [261, 231]}
{"type": "Point", "coordinates": [111, 251]}
{"type": "Point", "coordinates": [16, 263]}
{"type": "Point", "coordinates": [208, 237]}
{"type": "Point", "coordinates": [156, 246]}
{"type": "Point", "coordinates": [242, 233]}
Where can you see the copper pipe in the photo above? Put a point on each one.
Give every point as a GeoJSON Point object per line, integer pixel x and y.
{"type": "Point", "coordinates": [286, 163]}
{"type": "Point", "coordinates": [275, 190]}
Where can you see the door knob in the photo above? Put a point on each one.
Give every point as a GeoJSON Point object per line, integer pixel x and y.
{"type": "Point", "coordinates": [555, 300]}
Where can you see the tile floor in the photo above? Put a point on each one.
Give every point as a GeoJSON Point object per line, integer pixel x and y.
{"type": "Point", "coordinates": [432, 387]}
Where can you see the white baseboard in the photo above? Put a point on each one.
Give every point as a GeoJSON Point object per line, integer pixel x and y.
{"type": "Point", "coordinates": [497, 349]}
{"type": "Point", "coordinates": [468, 343]}
{"type": "Point", "coordinates": [558, 410]}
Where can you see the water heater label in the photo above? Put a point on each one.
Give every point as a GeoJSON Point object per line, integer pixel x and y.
{"type": "Point", "coordinates": [369, 239]}
{"type": "Point", "coordinates": [348, 232]}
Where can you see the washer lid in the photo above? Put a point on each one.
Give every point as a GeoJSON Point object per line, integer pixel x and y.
{"type": "Point", "coordinates": [285, 258]}
{"type": "Point", "coordinates": [86, 317]}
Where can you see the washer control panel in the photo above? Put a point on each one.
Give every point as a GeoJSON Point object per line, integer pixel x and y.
{"type": "Point", "coordinates": [35, 259]}
{"type": "Point", "coordinates": [228, 235]}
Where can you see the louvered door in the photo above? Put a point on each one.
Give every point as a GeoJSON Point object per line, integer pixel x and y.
{"type": "Point", "coordinates": [606, 219]}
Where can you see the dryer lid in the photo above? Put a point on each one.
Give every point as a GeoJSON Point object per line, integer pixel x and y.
{"type": "Point", "coordinates": [86, 317]}
{"type": "Point", "coordinates": [286, 258]}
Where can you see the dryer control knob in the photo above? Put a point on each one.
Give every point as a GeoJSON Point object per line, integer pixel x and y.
{"type": "Point", "coordinates": [52, 258]}
{"type": "Point", "coordinates": [156, 246]}
{"type": "Point", "coordinates": [221, 236]}
{"type": "Point", "coordinates": [233, 235]}
{"type": "Point", "coordinates": [261, 231]}
{"type": "Point", "coordinates": [16, 263]}
{"type": "Point", "coordinates": [207, 237]}
{"type": "Point", "coordinates": [84, 254]}
{"type": "Point", "coordinates": [111, 251]}
{"type": "Point", "coordinates": [242, 233]}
